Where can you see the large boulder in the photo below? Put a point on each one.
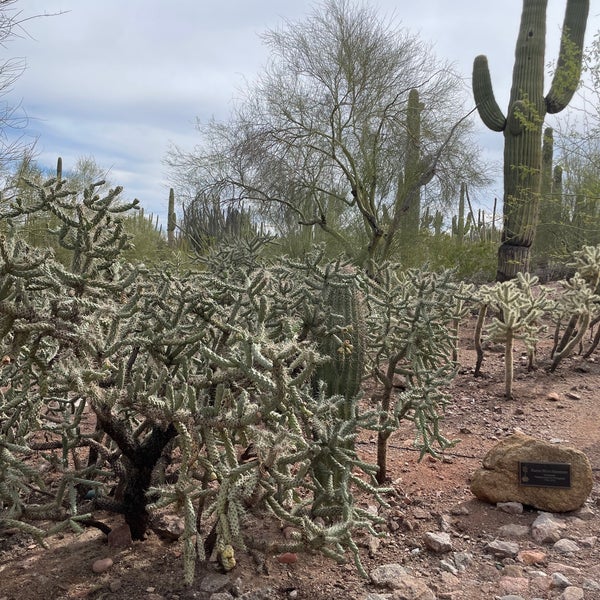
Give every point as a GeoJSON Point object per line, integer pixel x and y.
{"type": "Point", "coordinates": [499, 480]}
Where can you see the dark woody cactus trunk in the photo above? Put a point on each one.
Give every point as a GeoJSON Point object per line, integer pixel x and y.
{"type": "Point", "coordinates": [522, 127]}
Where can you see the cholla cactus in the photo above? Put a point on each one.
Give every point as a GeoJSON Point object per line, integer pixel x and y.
{"type": "Point", "coordinates": [411, 337]}
{"type": "Point", "coordinates": [579, 305]}
{"type": "Point", "coordinates": [119, 367]}
{"type": "Point", "coordinates": [517, 313]}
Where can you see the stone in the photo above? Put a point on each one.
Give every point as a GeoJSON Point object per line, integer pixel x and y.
{"type": "Point", "coordinates": [437, 542]}
{"type": "Point", "coordinates": [512, 508]}
{"type": "Point", "coordinates": [513, 585]}
{"type": "Point", "coordinates": [532, 557]}
{"type": "Point", "coordinates": [546, 529]}
{"type": "Point", "coordinates": [513, 531]}
{"type": "Point", "coordinates": [573, 593]}
{"type": "Point", "coordinates": [565, 546]}
{"type": "Point", "coordinates": [387, 575]}
{"type": "Point", "coordinates": [120, 537]}
{"type": "Point", "coordinates": [215, 582]}
{"type": "Point", "coordinates": [412, 588]}
{"type": "Point", "coordinates": [498, 480]}
{"type": "Point", "coordinates": [287, 558]}
{"type": "Point", "coordinates": [115, 585]}
{"type": "Point", "coordinates": [448, 567]}
{"type": "Point", "coordinates": [168, 527]}
{"type": "Point", "coordinates": [559, 581]}
{"type": "Point", "coordinates": [102, 565]}
{"type": "Point", "coordinates": [502, 549]}
{"type": "Point", "coordinates": [462, 560]}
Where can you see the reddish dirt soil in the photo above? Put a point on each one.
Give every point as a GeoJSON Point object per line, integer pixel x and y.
{"type": "Point", "coordinates": [425, 491]}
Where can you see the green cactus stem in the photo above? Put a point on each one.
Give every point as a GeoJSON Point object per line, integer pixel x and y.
{"type": "Point", "coordinates": [344, 339]}
{"type": "Point", "coordinates": [522, 125]}
{"type": "Point", "coordinates": [171, 219]}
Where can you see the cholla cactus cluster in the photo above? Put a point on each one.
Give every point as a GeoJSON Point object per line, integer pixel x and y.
{"type": "Point", "coordinates": [517, 312]}
{"type": "Point", "coordinates": [113, 371]}
{"type": "Point", "coordinates": [412, 337]}
{"type": "Point", "coordinates": [226, 394]}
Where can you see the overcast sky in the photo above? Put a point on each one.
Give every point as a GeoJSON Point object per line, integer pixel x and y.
{"type": "Point", "coordinates": [121, 80]}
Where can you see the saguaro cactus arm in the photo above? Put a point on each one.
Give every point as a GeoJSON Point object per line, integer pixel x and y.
{"type": "Point", "coordinates": [488, 108]}
{"type": "Point", "coordinates": [568, 68]}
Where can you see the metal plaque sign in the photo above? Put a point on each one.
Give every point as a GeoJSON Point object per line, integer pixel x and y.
{"type": "Point", "coordinates": [544, 474]}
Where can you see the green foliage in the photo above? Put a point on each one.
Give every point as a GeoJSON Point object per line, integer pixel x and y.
{"type": "Point", "coordinates": [117, 367]}
{"type": "Point", "coordinates": [516, 315]}
{"type": "Point", "coordinates": [412, 341]}
{"type": "Point", "coordinates": [522, 125]}
{"type": "Point", "coordinates": [579, 305]}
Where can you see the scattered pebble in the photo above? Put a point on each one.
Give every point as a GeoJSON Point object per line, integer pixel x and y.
{"type": "Point", "coordinates": [102, 565]}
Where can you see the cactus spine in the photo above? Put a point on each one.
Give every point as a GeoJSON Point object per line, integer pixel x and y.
{"type": "Point", "coordinates": [522, 127]}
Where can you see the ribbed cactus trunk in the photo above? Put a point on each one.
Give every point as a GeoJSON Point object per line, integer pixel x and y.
{"type": "Point", "coordinates": [545, 242]}
{"type": "Point", "coordinates": [522, 127]}
{"type": "Point", "coordinates": [171, 219]}
{"type": "Point", "coordinates": [407, 205]}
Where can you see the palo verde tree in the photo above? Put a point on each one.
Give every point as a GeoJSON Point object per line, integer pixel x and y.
{"type": "Point", "coordinates": [522, 125]}
{"type": "Point", "coordinates": [320, 139]}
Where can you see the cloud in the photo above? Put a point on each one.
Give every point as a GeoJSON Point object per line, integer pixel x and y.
{"type": "Point", "coordinates": [120, 81]}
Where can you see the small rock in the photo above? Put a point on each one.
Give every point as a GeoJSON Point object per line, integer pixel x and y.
{"type": "Point", "coordinates": [585, 513]}
{"type": "Point", "coordinates": [115, 585]}
{"type": "Point", "coordinates": [449, 581]}
{"type": "Point", "coordinates": [588, 542]}
{"type": "Point", "coordinates": [168, 527]}
{"type": "Point", "coordinates": [512, 508]}
{"type": "Point", "coordinates": [102, 565]}
{"type": "Point", "coordinates": [388, 575]}
{"type": "Point", "coordinates": [459, 510]}
{"type": "Point", "coordinates": [437, 542]}
{"type": "Point", "coordinates": [546, 529]}
{"type": "Point", "coordinates": [590, 584]}
{"type": "Point", "coordinates": [531, 557]}
{"type": "Point", "coordinates": [573, 396]}
{"type": "Point", "coordinates": [287, 558]}
{"type": "Point", "coordinates": [559, 581]}
{"type": "Point", "coordinates": [513, 531]}
{"type": "Point", "coordinates": [565, 546]}
{"type": "Point", "coordinates": [120, 537]}
{"type": "Point", "coordinates": [511, 597]}
{"type": "Point", "coordinates": [573, 593]}
{"type": "Point", "coordinates": [214, 582]}
{"type": "Point", "coordinates": [503, 549]}
{"type": "Point", "coordinates": [513, 585]}
{"type": "Point", "coordinates": [446, 565]}
{"type": "Point", "coordinates": [553, 397]}
{"type": "Point", "coordinates": [221, 596]}
{"type": "Point", "coordinates": [462, 560]}
{"type": "Point", "coordinates": [555, 567]}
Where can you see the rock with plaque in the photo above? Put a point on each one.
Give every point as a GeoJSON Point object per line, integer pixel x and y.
{"type": "Point", "coordinates": [521, 468]}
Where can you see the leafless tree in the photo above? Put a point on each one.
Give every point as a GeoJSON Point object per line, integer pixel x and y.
{"type": "Point", "coordinates": [319, 140]}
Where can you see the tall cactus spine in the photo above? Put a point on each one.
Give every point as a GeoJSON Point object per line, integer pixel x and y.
{"type": "Point", "coordinates": [522, 126]}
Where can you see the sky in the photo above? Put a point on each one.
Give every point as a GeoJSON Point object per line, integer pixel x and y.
{"type": "Point", "coordinates": [122, 81]}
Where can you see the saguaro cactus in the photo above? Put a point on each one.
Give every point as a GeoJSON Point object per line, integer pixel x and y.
{"type": "Point", "coordinates": [171, 219]}
{"type": "Point", "coordinates": [522, 127]}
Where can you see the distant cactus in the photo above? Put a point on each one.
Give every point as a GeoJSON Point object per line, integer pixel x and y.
{"type": "Point", "coordinates": [171, 219]}
{"type": "Point", "coordinates": [522, 127]}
